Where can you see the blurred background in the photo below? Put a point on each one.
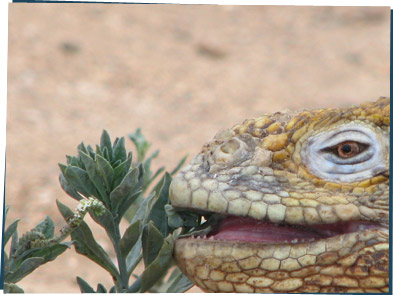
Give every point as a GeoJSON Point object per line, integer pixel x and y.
{"type": "Point", "coordinates": [179, 72]}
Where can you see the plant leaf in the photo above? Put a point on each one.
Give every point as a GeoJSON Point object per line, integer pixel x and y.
{"type": "Point", "coordinates": [146, 166]}
{"type": "Point", "coordinates": [80, 180]}
{"type": "Point", "coordinates": [82, 147]}
{"type": "Point", "coordinates": [24, 269]}
{"type": "Point", "coordinates": [140, 143]}
{"type": "Point", "coordinates": [176, 283]}
{"type": "Point", "coordinates": [92, 249]}
{"type": "Point", "coordinates": [112, 290]}
{"type": "Point", "coordinates": [121, 170]}
{"type": "Point", "coordinates": [152, 241]}
{"type": "Point", "coordinates": [105, 170]}
{"type": "Point", "coordinates": [157, 213]}
{"type": "Point", "coordinates": [107, 222]}
{"type": "Point", "coordinates": [159, 266]}
{"type": "Point", "coordinates": [84, 286]}
{"type": "Point", "coordinates": [105, 153]}
{"type": "Point", "coordinates": [6, 260]}
{"type": "Point", "coordinates": [158, 172]}
{"type": "Point", "coordinates": [180, 283]}
{"type": "Point", "coordinates": [130, 238]}
{"type": "Point", "coordinates": [95, 177]}
{"type": "Point", "coordinates": [74, 162]}
{"type": "Point", "coordinates": [98, 151]}
{"type": "Point", "coordinates": [46, 227]}
{"type": "Point", "coordinates": [48, 253]}
{"type": "Point", "coordinates": [105, 142]}
{"type": "Point", "coordinates": [14, 242]}
{"type": "Point", "coordinates": [69, 189]}
{"type": "Point", "coordinates": [12, 288]}
{"type": "Point", "coordinates": [174, 219]}
{"type": "Point", "coordinates": [85, 243]}
{"type": "Point", "coordinates": [101, 288]}
{"type": "Point", "coordinates": [6, 209]}
{"type": "Point", "coordinates": [115, 164]}
{"type": "Point", "coordinates": [126, 204]}
{"type": "Point", "coordinates": [10, 231]}
{"type": "Point", "coordinates": [144, 207]}
{"type": "Point", "coordinates": [124, 189]}
{"type": "Point", "coordinates": [119, 150]}
{"type": "Point", "coordinates": [134, 256]}
{"type": "Point", "coordinates": [91, 152]}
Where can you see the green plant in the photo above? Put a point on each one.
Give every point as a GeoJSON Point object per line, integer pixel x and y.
{"type": "Point", "coordinates": [110, 187]}
{"type": "Point", "coordinates": [109, 175]}
{"type": "Point", "coordinates": [39, 245]}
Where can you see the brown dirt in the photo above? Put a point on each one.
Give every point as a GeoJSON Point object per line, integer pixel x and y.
{"type": "Point", "coordinates": [180, 72]}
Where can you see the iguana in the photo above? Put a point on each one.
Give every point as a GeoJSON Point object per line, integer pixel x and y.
{"type": "Point", "coordinates": [305, 200]}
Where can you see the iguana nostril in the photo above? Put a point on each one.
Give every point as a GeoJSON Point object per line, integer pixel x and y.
{"type": "Point", "coordinates": [230, 147]}
{"type": "Point", "coordinates": [227, 153]}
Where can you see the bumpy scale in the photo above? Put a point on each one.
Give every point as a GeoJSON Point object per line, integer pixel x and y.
{"type": "Point", "coordinates": [299, 169]}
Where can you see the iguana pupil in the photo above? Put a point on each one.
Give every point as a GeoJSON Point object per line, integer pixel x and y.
{"type": "Point", "coordinates": [348, 149]}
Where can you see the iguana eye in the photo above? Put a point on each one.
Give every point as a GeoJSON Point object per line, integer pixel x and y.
{"type": "Point", "coordinates": [350, 152]}
{"type": "Point", "coordinates": [348, 149]}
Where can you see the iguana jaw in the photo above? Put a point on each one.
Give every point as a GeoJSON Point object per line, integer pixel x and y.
{"type": "Point", "coordinates": [243, 229]}
{"type": "Point", "coordinates": [322, 265]}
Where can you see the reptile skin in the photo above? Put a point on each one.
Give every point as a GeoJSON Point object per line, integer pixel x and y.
{"type": "Point", "coordinates": [294, 169]}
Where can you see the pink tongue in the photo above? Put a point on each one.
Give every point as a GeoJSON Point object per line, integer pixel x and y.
{"type": "Point", "coordinates": [251, 230]}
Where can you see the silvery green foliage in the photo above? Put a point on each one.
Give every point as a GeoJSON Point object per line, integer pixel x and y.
{"type": "Point", "coordinates": [39, 245]}
{"type": "Point", "coordinates": [108, 175]}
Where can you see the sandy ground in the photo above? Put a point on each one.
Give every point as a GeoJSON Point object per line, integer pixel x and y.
{"type": "Point", "coordinates": [180, 72]}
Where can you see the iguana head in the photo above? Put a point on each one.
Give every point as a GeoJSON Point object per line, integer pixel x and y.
{"type": "Point", "coordinates": [305, 195]}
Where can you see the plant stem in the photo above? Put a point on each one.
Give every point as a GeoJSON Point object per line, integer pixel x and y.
{"type": "Point", "coordinates": [120, 260]}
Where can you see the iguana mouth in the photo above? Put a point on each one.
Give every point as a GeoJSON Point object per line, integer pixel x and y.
{"type": "Point", "coordinates": [245, 229]}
